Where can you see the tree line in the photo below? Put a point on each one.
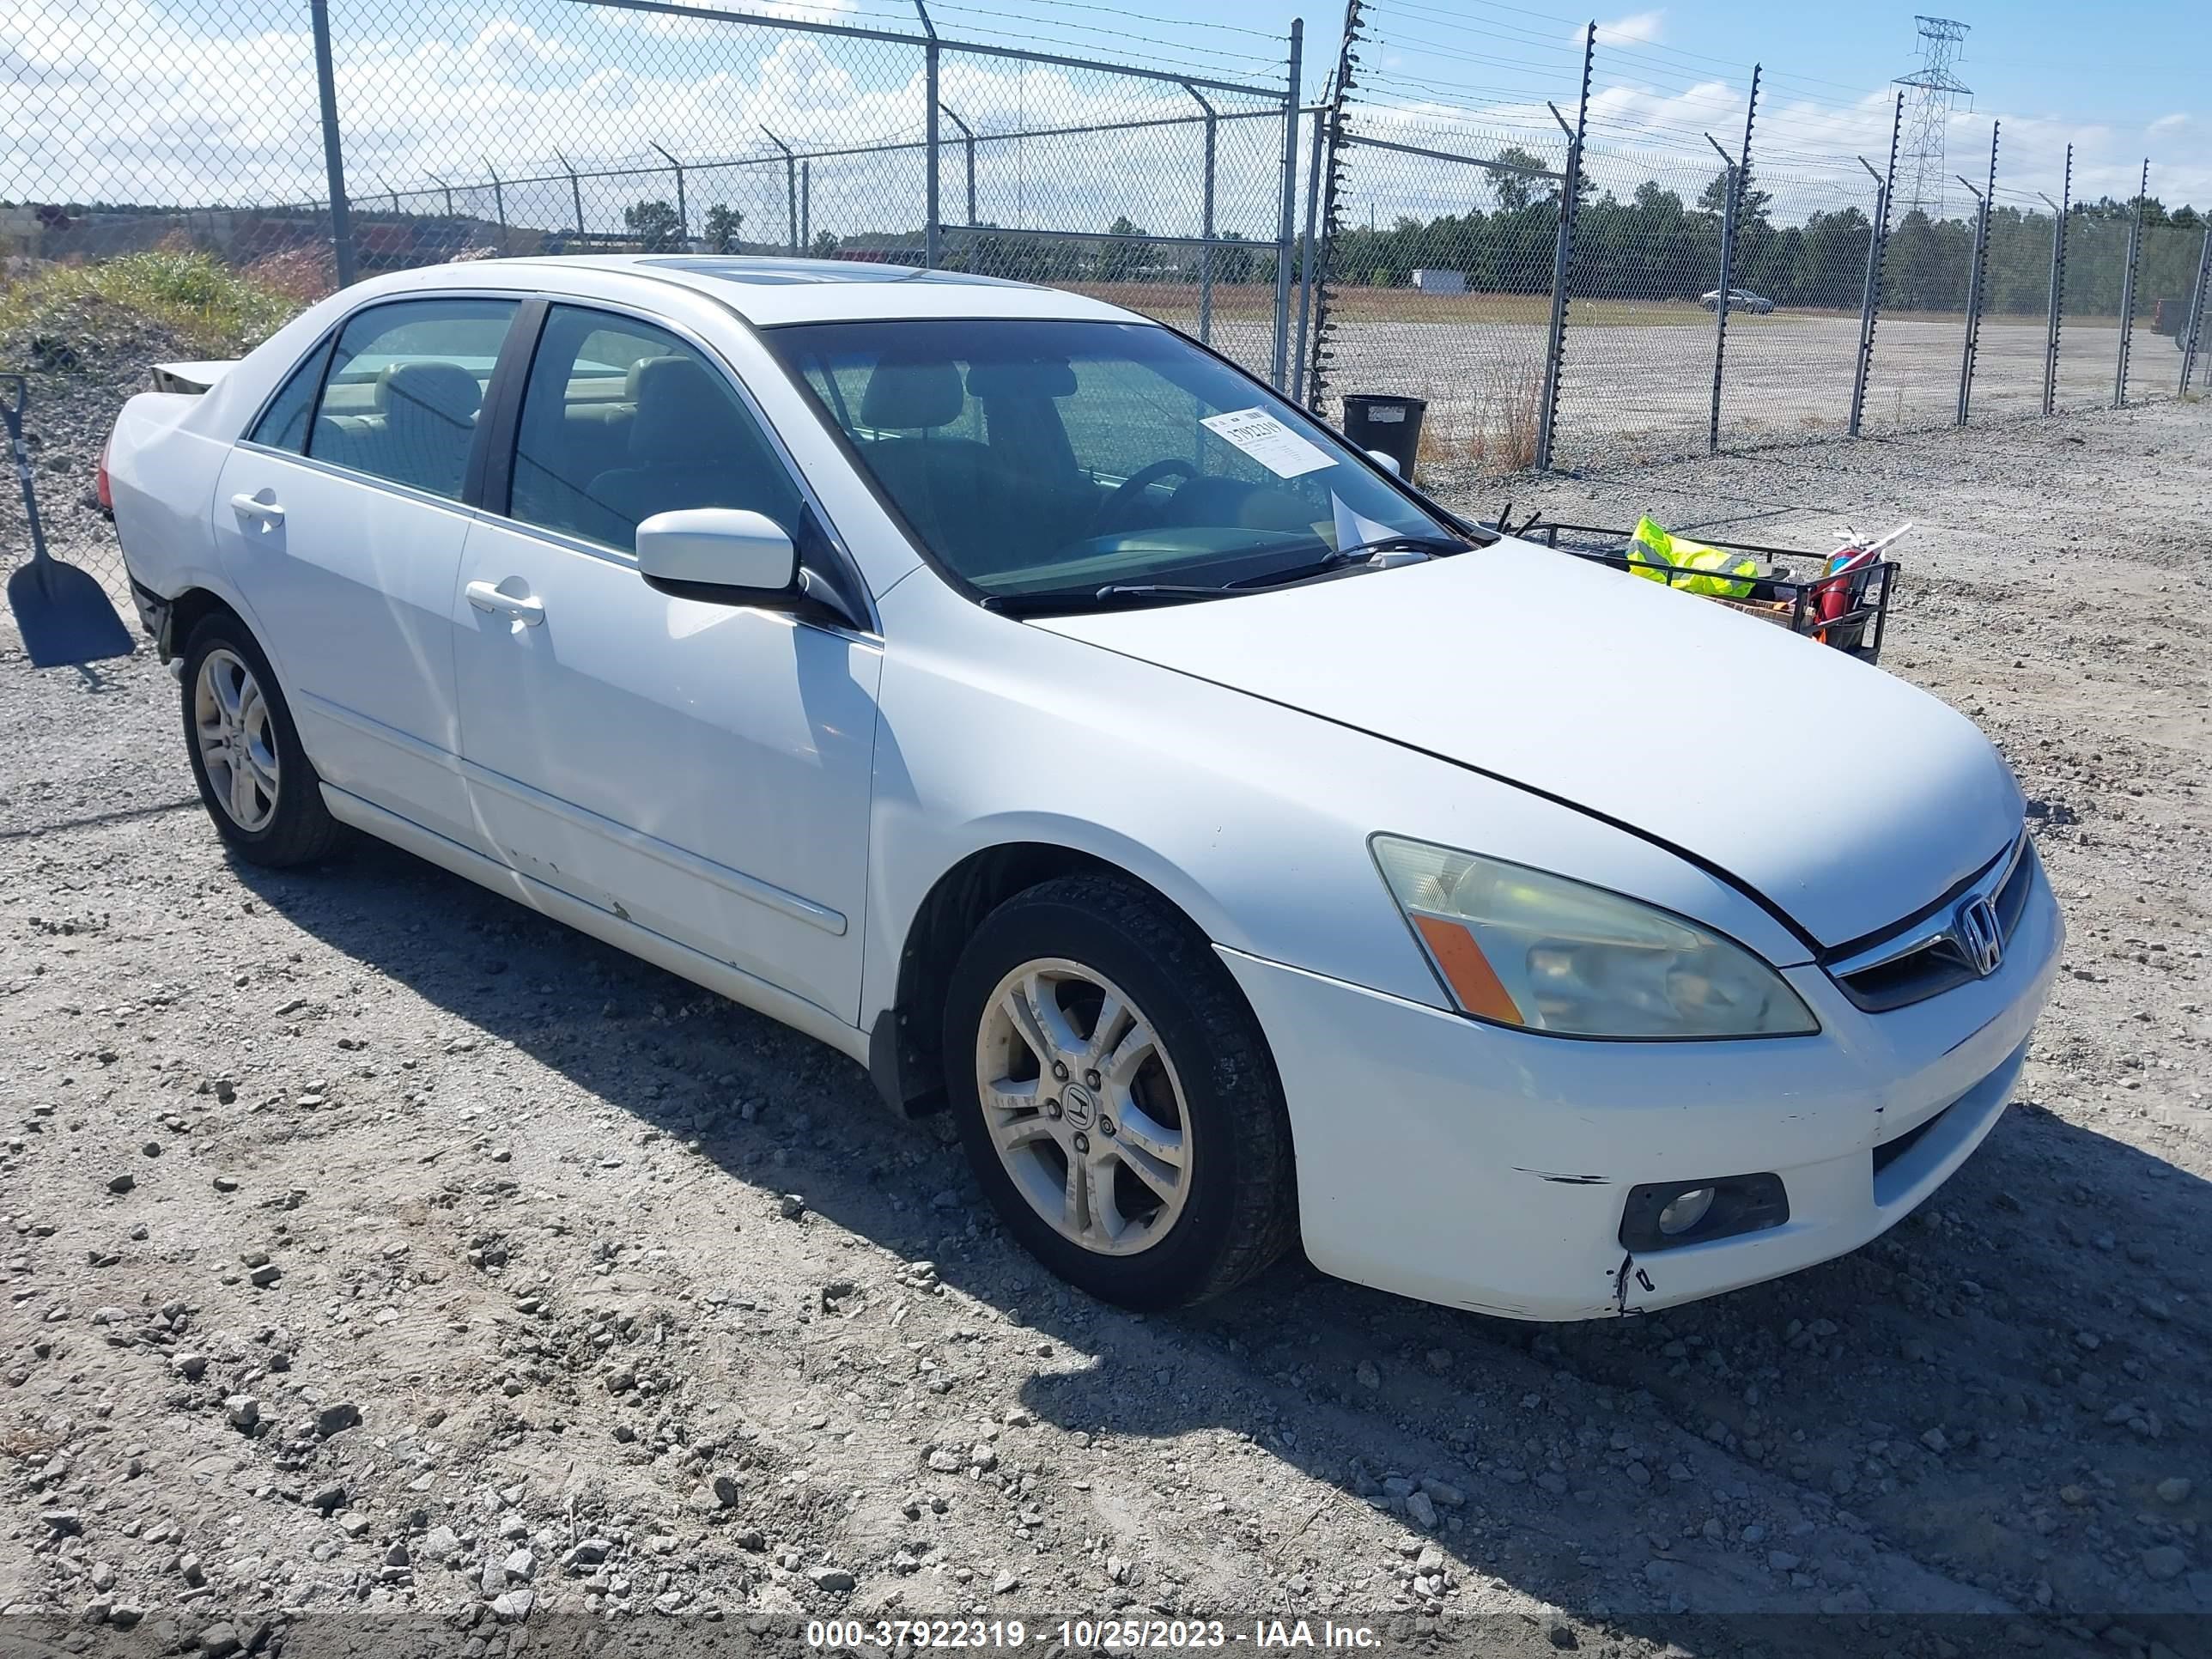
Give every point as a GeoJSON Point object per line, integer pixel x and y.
{"type": "Point", "coordinates": [1655, 245]}
{"type": "Point", "coordinates": [1652, 246]}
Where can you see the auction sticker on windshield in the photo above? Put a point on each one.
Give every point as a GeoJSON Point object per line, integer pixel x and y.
{"type": "Point", "coordinates": [1268, 442]}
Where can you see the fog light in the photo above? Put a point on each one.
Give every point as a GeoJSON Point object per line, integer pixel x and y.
{"type": "Point", "coordinates": [1685, 1211]}
{"type": "Point", "coordinates": [1666, 1215]}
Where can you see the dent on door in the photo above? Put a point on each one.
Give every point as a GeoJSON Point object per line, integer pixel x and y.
{"type": "Point", "coordinates": [700, 770]}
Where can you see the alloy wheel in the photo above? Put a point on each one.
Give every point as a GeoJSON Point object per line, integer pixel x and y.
{"type": "Point", "coordinates": [1082, 1102]}
{"type": "Point", "coordinates": [237, 740]}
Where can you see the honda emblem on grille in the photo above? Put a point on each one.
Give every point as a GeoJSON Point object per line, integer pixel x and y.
{"type": "Point", "coordinates": [1981, 938]}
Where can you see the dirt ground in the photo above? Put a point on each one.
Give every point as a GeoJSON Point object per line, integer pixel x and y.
{"type": "Point", "coordinates": [382, 1252]}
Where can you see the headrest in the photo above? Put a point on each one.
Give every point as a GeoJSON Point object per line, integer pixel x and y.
{"type": "Point", "coordinates": [636, 376]}
{"type": "Point", "coordinates": [904, 394]}
{"type": "Point", "coordinates": [444, 390]}
{"type": "Point", "coordinates": [683, 412]}
{"type": "Point", "coordinates": [1037, 378]}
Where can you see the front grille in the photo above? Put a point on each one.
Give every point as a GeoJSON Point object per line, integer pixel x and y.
{"type": "Point", "coordinates": [1937, 966]}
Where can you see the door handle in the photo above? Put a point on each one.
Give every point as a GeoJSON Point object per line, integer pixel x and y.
{"type": "Point", "coordinates": [262, 506]}
{"type": "Point", "coordinates": [526, 609]}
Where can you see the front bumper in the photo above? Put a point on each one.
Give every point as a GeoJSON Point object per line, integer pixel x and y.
{"type": "Point", "coordinates": [1484, 1167]}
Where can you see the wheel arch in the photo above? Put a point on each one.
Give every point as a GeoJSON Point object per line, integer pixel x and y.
{"type": "Point", "coordinates": [192, 607]}
{"type": "Point", "coordinates": [905, 1058]}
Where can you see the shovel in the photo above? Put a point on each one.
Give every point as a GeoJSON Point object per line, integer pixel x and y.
{"type": "Point", "coordinates": [65, 616]}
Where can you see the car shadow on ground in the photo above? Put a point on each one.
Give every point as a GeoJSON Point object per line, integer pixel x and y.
{"type": "Point", "coordinates": [1969, 1414]}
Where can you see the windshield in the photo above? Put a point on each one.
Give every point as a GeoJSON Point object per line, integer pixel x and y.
{"type": "Point", "coordinates": [1043, 457]}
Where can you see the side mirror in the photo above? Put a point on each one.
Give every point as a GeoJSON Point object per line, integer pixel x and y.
{"type": "Point", "coordinates": [718, 553]}
{"type": "Point", "coordinates": [1388, 463]}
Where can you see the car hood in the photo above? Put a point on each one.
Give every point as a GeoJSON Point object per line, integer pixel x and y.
{"type": "Point", "coordinates": [1845, 798]}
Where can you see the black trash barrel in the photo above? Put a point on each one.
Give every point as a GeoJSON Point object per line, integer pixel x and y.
{"type": "Point", "coordinates": [1392, 425]}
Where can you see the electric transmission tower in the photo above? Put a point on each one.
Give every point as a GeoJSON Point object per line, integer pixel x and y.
{"type": "Point", "coordinates": [1936, 92]}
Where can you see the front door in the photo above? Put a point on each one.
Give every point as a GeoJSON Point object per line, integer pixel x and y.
{"type": "Point", "coordinates": [700, 770]}
{"type": "Point", "coordinates": [340, 516]}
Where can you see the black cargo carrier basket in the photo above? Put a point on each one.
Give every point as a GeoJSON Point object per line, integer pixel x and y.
{"type": "Point", "coordinates": [1796, 605]}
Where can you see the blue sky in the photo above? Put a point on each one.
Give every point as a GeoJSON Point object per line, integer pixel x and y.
{"type": "Point", "coordinates": [2130, 82]}
{"type": "Point", "coordinates": [2151, 58]}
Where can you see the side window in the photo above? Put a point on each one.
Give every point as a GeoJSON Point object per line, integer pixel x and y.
{"type": "Point", "coordinates": [622, 420]}
{"type": "Point", "coordinates": [284, 424]}
{"type": "Point", "coordinates": [405, 385]}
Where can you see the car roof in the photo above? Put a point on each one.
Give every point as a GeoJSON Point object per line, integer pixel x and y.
{"type": "Point", "coordinates": [767, 291]}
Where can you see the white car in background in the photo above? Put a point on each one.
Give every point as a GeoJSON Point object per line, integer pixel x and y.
{"type": "Point", "coordinates": [1027, 702]}
{"type": "Point", "coordinates": [1739, 299]}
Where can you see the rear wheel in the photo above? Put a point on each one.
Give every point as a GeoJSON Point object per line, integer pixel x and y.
{"type": "Point", "coordinates": [1115, 1096]}
{"type": "Point", "coordinates": [253, 777]}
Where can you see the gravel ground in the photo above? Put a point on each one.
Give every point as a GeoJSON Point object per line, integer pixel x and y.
{"type": "Point", "coordinates": [380, 1249]}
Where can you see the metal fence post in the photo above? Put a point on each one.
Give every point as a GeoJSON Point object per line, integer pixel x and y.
{"type": "Point", "coordinates": [683, 203]}
{"type": "Point", "coordinates": [326, 94]}
{"type": "Point", "coordinates": [2059, 209]}
{"type": "Point", "coordinates": [1978, 276]}
{"type": "Point", "coordinates": [1735, 178]}
{"type": "Point", "coordinates": [1881, 216]}
{"type": "Point", "coordinates": [2128, 291]}
{"type": "Point", "coordinates": [2195, 325]}
{"type": "Point", "coordinates": [1555, 343]}
{"type": "Point", "coordinates": [575, 196]}
{"type": "Point", "coordinates": [967, 142]}
{"type": "Point", "coordinates": [1306, 254]}
{"type": "Point", "coordinates": [790, 191]}
{"type": "Point", "coordinates": [499, 204]}
{"type": "Point", "coordinates": [1973, 296]}
{"type": "Point", "coordinates": [932, 224]}
{"type": "Point", "coordinates": [1286, 216]}
{"type": "Point", "coordinates": [1877, 253]}
{"type": "Point", "coordinates": [806, 203]}
{"type": "Point", "coordinates": [1206, 221]}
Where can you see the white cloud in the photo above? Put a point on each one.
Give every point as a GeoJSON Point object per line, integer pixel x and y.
{"type": "Point", "coordinates": [508, 46]}
{"type": "Point", "coordinates": [124, 102]}
{"type": "Point", "coordinates": [1637, 28]}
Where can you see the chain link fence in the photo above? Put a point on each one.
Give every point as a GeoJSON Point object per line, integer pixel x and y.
{"type": "Point", "coordinates": [2011, 350]}
{"type": "Point", "coordinates": [1442, 289]}
{"type": "Point", "coordinates": [1741, 269]}
{"type": "Point", "coordinates": [2166, 267]}
{"type": "Point", "coordinates": [2089, 309]}
{"type": "Point", "coordinates": [1570, 275]}
{"type": "Point", "coordinates": [167, 174]}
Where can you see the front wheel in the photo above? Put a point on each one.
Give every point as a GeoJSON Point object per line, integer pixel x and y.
{"type": "Point", "coordinates": [1115, 1096]}
{"type": "Point", "coordinates": [254, 778]}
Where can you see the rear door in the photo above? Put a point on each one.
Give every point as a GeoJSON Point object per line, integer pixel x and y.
{"type": "Point", "coordinates": [340, 517]}
{"type": "Point", "coordinates": [700, 770]}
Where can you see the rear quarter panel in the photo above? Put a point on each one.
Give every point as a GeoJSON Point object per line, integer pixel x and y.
{"type": "Point", "coordinates": [162, 476]}
{"type": "Point", "coordinates": [167, 453]}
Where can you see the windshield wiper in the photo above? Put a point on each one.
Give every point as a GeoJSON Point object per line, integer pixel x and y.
{"type": "Point", "coordinates": [1357, 553]}
{"type": "Point", "coordinates": [1111, 596]}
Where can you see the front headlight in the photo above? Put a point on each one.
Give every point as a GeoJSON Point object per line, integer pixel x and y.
{"type": "Point", "coordinates": [1523, 948]}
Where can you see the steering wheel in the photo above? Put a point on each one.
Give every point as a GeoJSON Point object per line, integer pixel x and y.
{"type": "Point", "coordinates": [1117, 507]}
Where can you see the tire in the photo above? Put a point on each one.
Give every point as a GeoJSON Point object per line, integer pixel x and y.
{"type": "Point", "coordinates": [1074, 943]}
{"type": "Point", "coordinates": [278, 819]}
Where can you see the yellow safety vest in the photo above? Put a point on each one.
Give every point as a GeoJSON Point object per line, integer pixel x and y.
{"type": "Point", "coordinates": [1654, 555]}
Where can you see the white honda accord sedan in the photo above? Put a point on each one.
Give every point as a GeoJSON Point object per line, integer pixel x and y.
{"type": "Point", "coordinates": [1015, 696]}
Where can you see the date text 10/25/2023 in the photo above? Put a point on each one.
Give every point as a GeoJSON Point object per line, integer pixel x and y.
{"type": "Point", "coordinates": [1083, 1635]}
